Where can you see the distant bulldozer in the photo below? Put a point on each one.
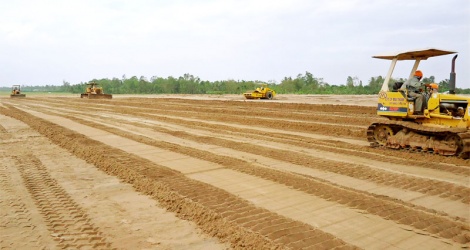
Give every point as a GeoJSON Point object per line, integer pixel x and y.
{"type": "Point", "coordinates": [95, 92]}
{"type": "Point", "coordinates": [262, 92]}
{"type": "Point", "coordinates": [16, 91]}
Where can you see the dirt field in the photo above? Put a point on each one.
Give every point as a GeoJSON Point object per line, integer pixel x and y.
{"type": "Point", "coordinates": [219, 172]}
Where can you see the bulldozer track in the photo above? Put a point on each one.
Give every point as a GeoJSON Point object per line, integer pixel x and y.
{"type": "Point", "coordinates": [266, 155]}
{"type": "Point", "coordinates": [465, 137]}
{"type": "Point", "coordinates": [461, 132]}
{"type": "Point", "coordinates": [16, 213]}
{"type": "Point", "coordinates": [68, 223]}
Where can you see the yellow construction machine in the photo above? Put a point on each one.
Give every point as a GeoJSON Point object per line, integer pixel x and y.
{"type": "Point", "coordinates": [16, 91]}
{"type": "Point", "coordinates": [442, 127]}
{"type": "Point", "coordinates": [262, 92]}
{"type": "Point", "coordinates": [95, 92]}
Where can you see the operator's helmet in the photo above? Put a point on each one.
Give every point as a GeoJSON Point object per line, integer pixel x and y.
{"type": "Point", "coordinates": [419, 74]}
{"type": "Point", "coordinates": [434, 86]}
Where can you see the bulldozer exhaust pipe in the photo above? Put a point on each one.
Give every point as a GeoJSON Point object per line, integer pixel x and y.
{"type": "Point", "coordinates": [452, 77]}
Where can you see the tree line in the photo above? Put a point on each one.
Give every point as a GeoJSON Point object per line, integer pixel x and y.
{"type": "Point", "coordinates": [188, 84]}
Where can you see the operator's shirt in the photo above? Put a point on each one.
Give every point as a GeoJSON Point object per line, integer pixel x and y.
{"type": "Point", "coordinates": [412, 84]}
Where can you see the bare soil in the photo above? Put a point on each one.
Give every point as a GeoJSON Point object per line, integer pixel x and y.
{"type": "Point", "coordinates": [219, 172]}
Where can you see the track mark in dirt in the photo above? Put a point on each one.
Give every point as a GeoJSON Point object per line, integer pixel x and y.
{"type": "Point", "coordinates": [420, 184]}
{"type": "Point", "coordinates": [17, 215]}
{"type": "Point", "coordinates": [244, 123]}
{"type": "Point", "coordinates": [130, 220]}
{"type": "Point", "coordinates": [457, 209]}
{"type": "Point", "coordinates": [253, 131]}
{"type": "Point", "coordinates": [341, 145]}
{"type": "Point", "coordinates": [4, 135]}
{"type": "Point", "coordinates": [219, 129]}
{"type": "Point", "coordinates": [397, 156]}
{"type": "Point", "coordinates": [390, 210]}
{"type": "Point", "coordinates": [214, 210]}
{"type": "Point", "coordinates": [445, 189]}
{"type": "Point", "coordinates": [327, 215]}
{"type": "Point", "coordinates": [356, 153]}
{"type": "Point", "coordinates": [68, 223]}
{"type": "Point", "coordinates": [445, 229]}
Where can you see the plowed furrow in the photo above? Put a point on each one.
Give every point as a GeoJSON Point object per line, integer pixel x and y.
{"type": "Point", "coordinates": [246, 114]}
{"type": "Point", "coordinates": [184, 109]}
{"type": "Point", "coordinates": [446, 190]}
{"type": "Point", "coordinates": [247, 109]}
{"type": "Point", "coordinates": [295, 140]}
{"type": "Point", "coordinates": [218, 174]}
{"type": "Point", "coordinates": [289, 126]}
{"type": "Point", "coordinates": [394, 193]}
{"type": "Point", "coordinates": [64, 217]}
{"type": "Point", "coordinates": [189, 119]}
{"type": "Point", "coordinates": [399, 157]}
{"type": "Point", "coordinates": [303, 125]}
{"type": "Point", "coordinates": [387, 209]}
{"type": "Point", "coordinates": [202, 203]}
{"type": "Point", "coordinates": [434, 161]}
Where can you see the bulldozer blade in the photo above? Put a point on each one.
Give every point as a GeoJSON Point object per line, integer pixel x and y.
{"type": "Point", "coordinates": [97, 96]}
{"type": "Point", "coordinates": [18, 96]}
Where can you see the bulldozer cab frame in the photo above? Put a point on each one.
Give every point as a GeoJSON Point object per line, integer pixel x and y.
{"type": "Point", "coordinates": [397, 103]}
{"type": "Point", "coordinates": [416, 55]}
{"type": "Point", "coordinates": [92, 87]}
{"type": "Point", "coordinates": [16, 91]}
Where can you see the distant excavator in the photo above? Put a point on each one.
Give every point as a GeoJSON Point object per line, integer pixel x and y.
{"type": "Point", "coordinates": [94, 92]}
{"type": "Point", "coordinates": [16, 92]}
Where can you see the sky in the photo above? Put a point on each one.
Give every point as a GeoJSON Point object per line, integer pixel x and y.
{"type": "Point", "coordinates": [52, 41]}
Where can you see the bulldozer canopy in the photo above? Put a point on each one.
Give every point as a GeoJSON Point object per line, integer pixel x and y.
{"type": "Point", "coordinates": [422, 54]}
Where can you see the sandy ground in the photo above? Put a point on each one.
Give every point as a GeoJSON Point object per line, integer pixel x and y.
{"type": "Point", "coordinates": [219, 172]}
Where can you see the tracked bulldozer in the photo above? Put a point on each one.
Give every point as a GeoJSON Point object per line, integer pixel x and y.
{"type": "Point", "coordinates": [94, 92]}
{"type": "Point", "coordinates": [16, 92]}
{"type": "Point", "coordinates": [262, 92]}
{"type": "Point", "coordinates": [442, 127]}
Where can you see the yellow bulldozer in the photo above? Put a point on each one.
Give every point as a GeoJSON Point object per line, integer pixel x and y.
{"type": "Point", "coordinates": [262, 92]}
{"type": "Point", "coordinates": [16, 92]}
{"type": "Point", "coordinates": [94, 92]}
{"type": "Point", "coordinates": [441, 127]}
